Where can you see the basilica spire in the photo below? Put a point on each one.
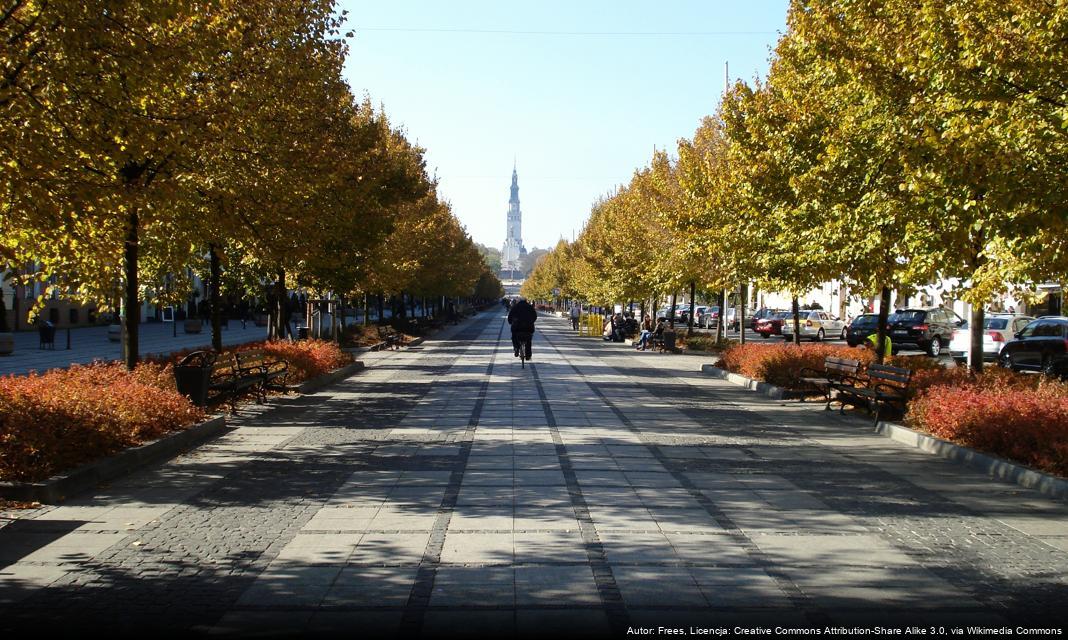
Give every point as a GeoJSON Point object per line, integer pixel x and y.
{"type": "Point", "coordinates": [513, 248]}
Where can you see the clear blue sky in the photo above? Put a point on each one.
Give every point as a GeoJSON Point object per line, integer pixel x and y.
{"type": "Point", "coordinates": [579, 93]}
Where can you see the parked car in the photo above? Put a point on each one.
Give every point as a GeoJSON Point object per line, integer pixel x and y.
{"type": "Point", "coordinates": [1042, 345]}
{"type": "Point", "coordinates": [710, 318]}
{"type": "Point", "coordinates": [772, 324]}
{"type": "Point", "coordinates": [998, 330]}
{"type": "Point", "coordinates": [699, 313]}
{"type": "Point", "coordinates": [929, 329]}
{"type": "Point", "coordinates": [759, 315]}
{"type": "Point", "coordinates": [733, 319]}
{"type": "Point", "coordinates": [816, 325]}
{"type": "Point", "coordinates": [861, 327]}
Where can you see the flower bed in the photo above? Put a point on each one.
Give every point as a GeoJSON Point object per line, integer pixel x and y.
{"type": "Point", "coordinates": [705, 343]}
{"type": "Point", "coordinates": [307, 358]}
{"type": "Point", "coordinates": [57, 420]}
{"type": "Point", "coordinates": [781, 364]}
{"type": "Point", "coordinates": [1020, 417]}
{"type": "Point", "coordinates": [1016, 416]}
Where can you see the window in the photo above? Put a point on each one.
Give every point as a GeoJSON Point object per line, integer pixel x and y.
{"type": "Point", "coordinates": [1047, 329]}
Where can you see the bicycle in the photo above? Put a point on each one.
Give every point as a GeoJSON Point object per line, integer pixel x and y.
{"type": "Point", "coordinates": [524, 339]}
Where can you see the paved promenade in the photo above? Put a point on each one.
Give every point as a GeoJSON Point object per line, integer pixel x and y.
{"type": "Point", "coordinates": [446, 491]}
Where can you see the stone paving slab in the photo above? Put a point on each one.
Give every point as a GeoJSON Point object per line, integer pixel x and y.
{"type": "Point", "coordinates": [447, 491]}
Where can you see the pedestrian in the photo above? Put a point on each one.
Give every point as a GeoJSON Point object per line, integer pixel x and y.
{"type": "Point", "coordinates": [646, 334]}
{"type": "Point", "coordinates": [576, 313]}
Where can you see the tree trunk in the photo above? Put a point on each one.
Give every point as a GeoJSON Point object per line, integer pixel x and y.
{"type": "Point", "coordinates": [884, 313]}
{"type": "Point", "coordinates": [280, 295]}
{"type": "Point", "coordinates": [693, 305]}
{"type": "Point", "coordinates": [741, 312]}
{"type": "Point", "coordinates": [671, 312]}
{"type": "Point", "coordinates": [130, 347]}
{"type": "Point", "coordinates": [721, 323]}
{"type": "Point", "coordinates": [216, 298]}
{"type": "Point", "coordinates": [975, 354]}
{"type": "Point", "coordinates": [797, 321]}
{"type": "Point", "coordinates": [366, 309]}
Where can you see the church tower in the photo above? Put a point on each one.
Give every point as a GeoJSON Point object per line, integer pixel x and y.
{"type": "Point", "coordinates": [513, 248]}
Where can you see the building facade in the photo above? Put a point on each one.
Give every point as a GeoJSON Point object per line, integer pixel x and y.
{"type": "Point", "coordinates": [513, 249]}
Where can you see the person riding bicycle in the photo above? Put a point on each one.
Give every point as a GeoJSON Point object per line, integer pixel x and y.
{"type": "Point", "coordinates": [522, 317]}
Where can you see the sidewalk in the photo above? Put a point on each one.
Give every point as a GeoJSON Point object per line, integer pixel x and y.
{"type": "Point", "coordinates": [446, 491]}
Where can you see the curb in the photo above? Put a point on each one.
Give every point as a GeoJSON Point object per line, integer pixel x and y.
{"type": "Point", "coordinates": [990, 465]}
{"type": "Point", "coordinates": [380, 346]}
{"type": "Point", "coordinates": [90, 474]}
{"type": "Point", "coordinates": [769, 390]}
{"type": "Point", "coordinates": [315, 384]}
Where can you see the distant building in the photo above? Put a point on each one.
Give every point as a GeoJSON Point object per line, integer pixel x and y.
{"type": "Point", "coordinates": [513, 250]}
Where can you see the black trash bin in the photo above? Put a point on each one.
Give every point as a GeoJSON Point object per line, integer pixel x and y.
{"type": "Point", "coordinates": [669, 340]}
{"type": "Point", "coordinates": [302, 333]}
{"type": "Point", "coordinates": [47, 333]}
{"type": "Point", "coordinates": [192, 375]}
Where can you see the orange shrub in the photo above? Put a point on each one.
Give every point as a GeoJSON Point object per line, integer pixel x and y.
{"type": "Point", "coordinates": [781, 364]}
{"type": "Point", "coordinates": [307, 358]}
{"type": "Point", "coordinates": [1023, 418]}
{"type": "Point", "coordinates": [53, 421]}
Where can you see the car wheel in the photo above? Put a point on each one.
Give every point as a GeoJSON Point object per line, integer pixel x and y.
{"type": "Point", "coordinates": [1047, 367]}
{"type": "Point", "coordinates": [843, 336]}
{"type": "Point", "coordinates": [935, 347]}
{"type": "Point", "coordinates": [820, 336]}
{"type": "Point", "coordinates": [1004, 361]}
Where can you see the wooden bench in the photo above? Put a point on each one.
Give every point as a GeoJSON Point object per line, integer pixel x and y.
{"type": "Point", "coordinates": [881, 385]}
{"type": "Point", "coordinates": [268, 368]}
{"type": "Point", "coordinates": [229, 375]}
{"type": "Point", "coordinates": [835, 370]}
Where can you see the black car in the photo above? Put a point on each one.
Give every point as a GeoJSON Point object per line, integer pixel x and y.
{"type": "Point", "coordinates": [1042, 345]}
{"type": "Point", "coordinates": [929, 329]}
{"type": "Point", "coordinates": [862, 326]}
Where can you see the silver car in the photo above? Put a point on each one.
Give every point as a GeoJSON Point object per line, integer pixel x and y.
{"type": "Point", "coordinates": [998, 328]}
{"type": "Point", "coordinates": [815, 325]}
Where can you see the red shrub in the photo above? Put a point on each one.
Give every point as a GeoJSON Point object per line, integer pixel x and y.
{"type": "Point", "coordinates": [307, 358]}
{"type": "Point", "coordinates": [1026, 421]}
{"type": "Point", "coordinates": [54, 421]}
{"type": "Point", "coordinates": [781, 364]}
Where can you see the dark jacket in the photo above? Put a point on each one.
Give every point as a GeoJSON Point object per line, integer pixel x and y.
{"type": "Point", "coordinates": [522, 317]}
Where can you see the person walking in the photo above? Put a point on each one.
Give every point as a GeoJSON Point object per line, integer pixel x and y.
{"type": "Point", "coordinates": [576, 313]}
{"type": "Point", "coordinates": [522, 317]}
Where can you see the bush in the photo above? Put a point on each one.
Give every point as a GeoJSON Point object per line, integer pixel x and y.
{"type": "Point", "coordinates": [54, 421]}
{"type": "Point", "coordinates": [706, 343]}
{"type": "Point", "coordinates": [781, 364]}
{"type": "Point", "coordinates": [307, 358]}
{"type": "Point", "coordinates": [1024, 418]}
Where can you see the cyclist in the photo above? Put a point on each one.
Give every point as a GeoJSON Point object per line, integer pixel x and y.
{"type": "Point", "coordinates": [522, 317]}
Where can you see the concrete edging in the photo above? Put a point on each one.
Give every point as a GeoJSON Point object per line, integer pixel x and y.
{"type": "Point", "coordinates": [991, 465]}
{"type": "Point", "coordinates": [769, 390]}
{"type": "Point", "coordinates": [90, 474]}
{"type": "Point", "coordinates": [380, 346]}
{"type": "Point", "coordinates": [315, 384]}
